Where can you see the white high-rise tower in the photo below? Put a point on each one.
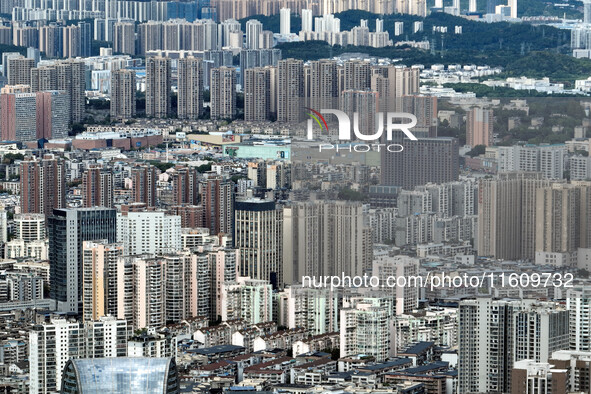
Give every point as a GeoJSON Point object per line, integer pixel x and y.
{"type": "Point", "coordinates": [513, 5]}
{"type": "Point", "coordinates": [306, 20]}
{"type": "Point", "coordinates": [587, 11]}
{"type": "Point", "coordinates": [285, 21]}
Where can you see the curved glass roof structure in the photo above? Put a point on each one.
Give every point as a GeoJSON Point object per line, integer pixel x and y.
{"type": "Point", "coordinates": [128, 375]}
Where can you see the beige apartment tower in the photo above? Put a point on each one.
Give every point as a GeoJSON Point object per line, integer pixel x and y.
{"type": "Point", "coordinates": [322, 87]}
{"type": "Point", "coordinates": [290, 90]}
{"type": "Point", "coordinates": [357, 75]}
{"type": "Point", "coordinates": [123, 94]}
{"type": "Point", "coordinates": [479, 127]}
{"type": "Point", "coordinates": [158, 77]}
{"type": "Point", "coordinates": [257, 97]}
{"type": "Point", "coordinates": [223, 93]}
{"type": "Point", "coordinates": [72, 41]}
{"type": "Point", "coordinates": [68, 76]}
{"type": "Point", "coordinates": [100, 281]}
{"type": "Point", "coordinates": [392, 83]}
{"type": "Point", "coordinates": [124, 38]}
{"type": "Point", "coordinates": [325, 238]}
{"type": "Point", "coordinates": [562, 217]}
{"type": "Point", "coordinates": [507, 215]}
{"type": "Point", "coordinates": [190, 88]}
{"type": "Point", "coordinates": [18, 70]}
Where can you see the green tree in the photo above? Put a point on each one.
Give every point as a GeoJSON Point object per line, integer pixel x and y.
{"type": "Point", "coordinates": [204, 168]}
{"type": "Point", "coordinates": [477, 151]}
{"type": "Point", "coordinates": [350, 195]}
{"type": "Point", "coordinates": [9, 158]}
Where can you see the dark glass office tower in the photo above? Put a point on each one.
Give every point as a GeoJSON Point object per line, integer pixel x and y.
{"type": "Point", "coordinates": [68, 228]}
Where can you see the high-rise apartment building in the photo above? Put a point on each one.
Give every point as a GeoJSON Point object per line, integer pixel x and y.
{"type": "Point", "coordinates": [124, 38]}
{"type": "Point", "coordinates": [479, 127]}
{"type": "Point", "coordinates": [22, 286]}
{"type": "Point", "coordinates": [266, 40]}
{"type": "Point", "coordinates": [258, 234]}
{"type": "Point", "coordinates": [85, 39]}
{"type": "Point", "coordinates": [53, 114]}
{"type": "Point", "coordinates": [72, 41]}
{"type": "Point", "coordinates": [71, 77]}
{"type": "Point", "coordinates": [290, 90]}
{"type": "Point", "coordinates": [151, 232]}
{"type": "Point", "coordinates": [248, 299]}
{"type": "Point", "coordinates": [223, 93]}
{"type": "Point", "coordinates": [158, 84]}
{"type": "Point", "coordinates": [547, 159]}
{"type": "Point", "coordinates": [30, 226]}
{"type": "Point", "coordinates": [428, 160]}
{"type": "Point", "coordinates": [484, 350]}
{"type": "Point", "coordinates": [580, 167]}
{"type": "Point", "coordinates": [561, 226]}
{"type": "Point", "coordinates": [257, 97]}
{"type": "Point", "coordinates": [51, 40]}
{"type": "Point", "coordinates": [232, 26]}
{"type": "Point", "coordinates": [494, 334]}
{"type": "Point", "coordinates": [385, 266]}
{"type": "Point", "coordinates": [106, 337]}
{"type": "Point", "coordinates": [361, 105]}
{"type": "Point", "coordinates": [367, 327]}
{"type": "Point", "coordinates": [97, 187]}
{"type": "Point", "coordinates": [278, 175]}
{"type": "Point", "coordinates": [68, 229]}
{"type": "Point", "coordinates": [284, 21]}
{"type": "Point", "coordinates": [43, 78]}
{"type": "Point", "coordinates": [425, 109]}
{"type": "Point", "coordinates": [513, 5]}
{"type": "Point", "coordinates": [18, 70]}
{"type": "Point", "coordinates": [191, 215]}
{"type": "Point", "coordinates": [190, 88]}
{"type": "Point", "coordinates": [175, 35]}
{"type": "Point", "coordinates": [27, 36]}
{"type": "Point", "coordinates": [314, 309]}
{"type": "Point", "coordinates": [322, 85]}
{"type": "Point", "coordinates": [100, 279]}
{"type": "Point", "coordinates": [165, 288]}
{"type": "Point", "coordinates": [16, 122]}
{"type": "Point", "coordinates": [5, 57]}
{"type": "Point", "coordinates": [144, 179]}
{"type": "Point", "coordinates": [578, 303]}
{"type": "Point", "coordinates": [324, 238]}
{"type": "Point", "coordinates": [185, 186]}
{"type": "Point", "coordinates": [180, 284]}
{"type": "Point", "coordinates": [123, 90]}
{"type": "Point", "coordinates": [64, 75]}
{"type": "Point", "coordinates": [43, 185]}
{"type": "Point", "coordinates": [307, 20]}
{"type": "Point", "coordinates": [506, 215]}
{"type": "Point", "coordinates": [392, 83]}
{"type": "Point", "coordinates": [217, 199]}
{"type": "Point", "coordinates": [357, 75]}
{"type": "Point", "coordinates": [53, 344]}
{"type": "Point", "coordinates": [251, 58]}
{"type": "Point", "coordinates": [254, 28]}
{"type": "Point", "coordinates": [223, 265]}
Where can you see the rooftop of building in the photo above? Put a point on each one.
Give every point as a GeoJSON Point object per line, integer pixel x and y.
{"type": "Point", "coordinates": [418, 348]}
{"type": "Point", "coordinates": [216, 349]}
